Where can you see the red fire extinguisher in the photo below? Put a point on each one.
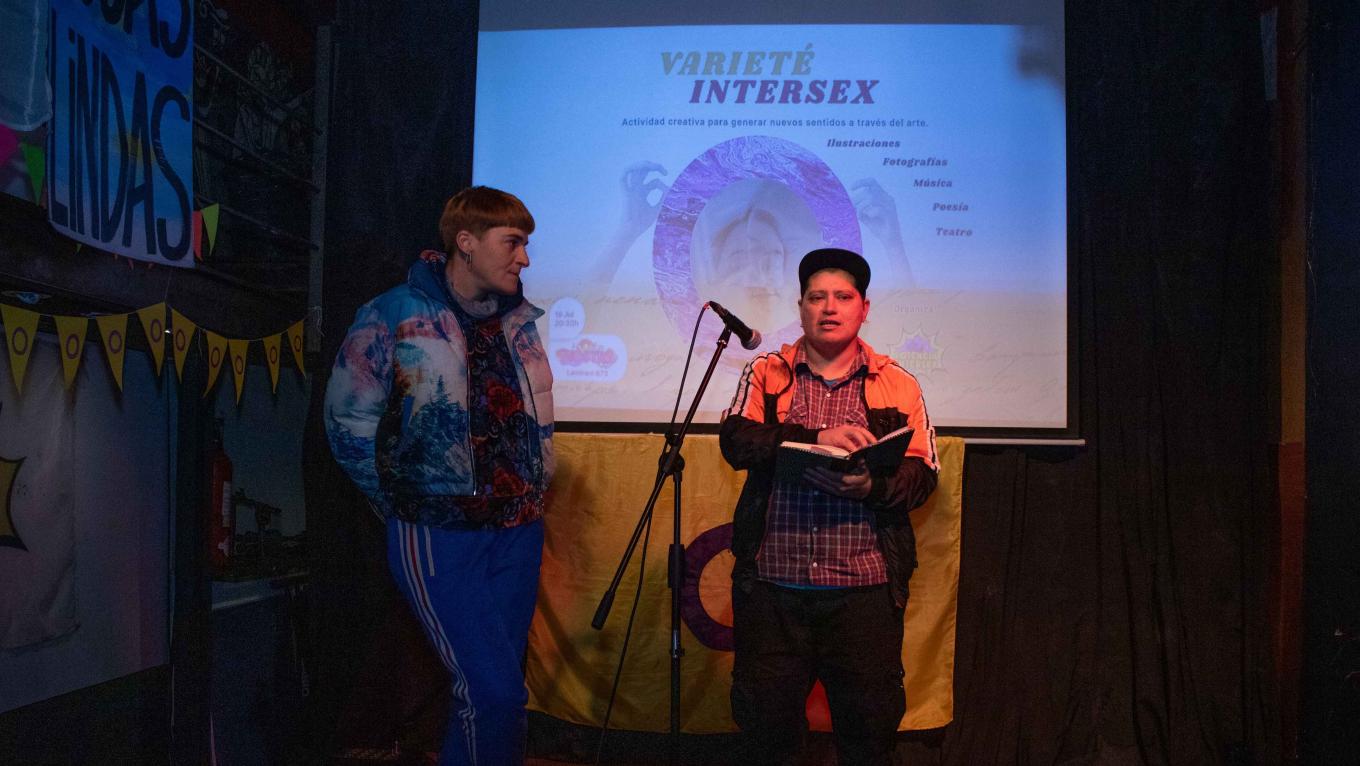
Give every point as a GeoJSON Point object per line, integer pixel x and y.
{"type": "Point", "coordinates": [221, 513]}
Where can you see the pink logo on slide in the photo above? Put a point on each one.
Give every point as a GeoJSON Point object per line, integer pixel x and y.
{"type": "Point", "coordinates": [586, 352]}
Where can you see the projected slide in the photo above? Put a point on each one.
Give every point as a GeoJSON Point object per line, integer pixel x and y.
{"type": "Point", "coordinates": [668, 166]}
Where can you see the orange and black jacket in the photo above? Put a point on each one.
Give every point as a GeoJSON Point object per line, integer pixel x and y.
{"type": "Point", "coordinates": [755, 424]}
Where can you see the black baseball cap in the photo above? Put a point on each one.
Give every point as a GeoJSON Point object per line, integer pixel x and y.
{"type": "Point", "coordinates": [834, 258]}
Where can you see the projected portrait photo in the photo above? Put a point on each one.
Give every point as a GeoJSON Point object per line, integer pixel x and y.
{"type": "Point", "coordinates": [745, 249]}
{"type": "Point", "coordinates": [734, 225]}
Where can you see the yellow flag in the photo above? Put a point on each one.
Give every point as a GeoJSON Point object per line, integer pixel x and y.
{"type": "Point", "coordinates": [71, 340]}
{"type": "Point", "coordinates": [217, 354]}
{"type": "Point", "coordinates": [181, 335]}
{"type": "Point", "coordinates": [113, 329]}
{"type": "Point", "coordinates": [21, 325]}
{"type": "Point", "coordinates": [239, 348]}
{"type": "Point", "coordinates": [272, 346]}
{"type": "Point", "coordinates": [295, 343]}
{"type": "Point", "coordinates": [153, 324]}
{"type": "Point", "coordinates": [570, 666]}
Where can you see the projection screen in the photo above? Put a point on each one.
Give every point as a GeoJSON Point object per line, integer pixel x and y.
{"type": "Point", "coordinates": [676, 155]}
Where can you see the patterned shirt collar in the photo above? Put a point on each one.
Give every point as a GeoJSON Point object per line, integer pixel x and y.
{"type": "Point", "coordinates": [859, 367]}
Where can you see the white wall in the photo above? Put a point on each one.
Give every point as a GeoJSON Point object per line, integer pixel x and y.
{"type": "Point", "coordinates": [122, 505]}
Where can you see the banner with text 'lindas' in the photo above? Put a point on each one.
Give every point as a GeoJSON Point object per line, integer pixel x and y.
{"type": "Point", "coordinates": [120, 143]}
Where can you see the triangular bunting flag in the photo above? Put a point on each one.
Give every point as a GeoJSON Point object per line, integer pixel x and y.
{"type": "Point", "coordinates": [181, 335]}
{"type": "Point", "coordinates": [210, 217]}
{"type": "Point", "coordinates": [21, 327]}
{"type": "Point", "coordinates": [238, 364]}
{"type": "Point", "coordinates": [113, 329]}
{"type": "Point", "coordinates": [272, 347]}
{"type": "Point", "coordinates": [71, 340]}
{"type": "Point", "coordinates": [36, 159]}
{"type": "Point", "coordinates": [295, 343]}
{"type": "Point", "coordinates": [153, 324]}
{"type": "Point", "coordinates": [197, 222]}
{"type": "Point", "coordinates": [217, 354]}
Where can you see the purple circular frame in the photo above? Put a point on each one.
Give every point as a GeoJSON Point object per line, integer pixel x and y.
{"type": "Point", "coordinates": [717, 168]}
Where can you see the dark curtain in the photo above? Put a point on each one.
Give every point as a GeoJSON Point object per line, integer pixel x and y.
{"type": "Point", "coordinates": [1330, 727]}
{"type": "Point", "coordinates": [400, 144]}
{"type": "Point", "coordinates": [1112, 603]}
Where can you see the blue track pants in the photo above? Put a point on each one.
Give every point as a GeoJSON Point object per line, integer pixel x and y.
{"type": "Point", "coordinates": [474, 591]}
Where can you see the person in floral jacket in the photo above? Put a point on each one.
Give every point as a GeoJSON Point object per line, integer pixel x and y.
{"type": "Point", "coordinates": [439, 407]}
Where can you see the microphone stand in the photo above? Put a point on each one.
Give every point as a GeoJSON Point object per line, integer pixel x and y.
{"type": "Point", "coordinates": [670, 464]}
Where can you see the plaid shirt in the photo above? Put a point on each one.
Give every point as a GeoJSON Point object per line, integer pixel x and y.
{"type": "Point", "coordinates": [813, 538]}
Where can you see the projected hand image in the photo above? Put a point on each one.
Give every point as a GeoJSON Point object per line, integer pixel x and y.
{"type": "Point", "coordinates": [637, 186]}
{"type": "Point", "coordinates": [637, 213]}
{"type": "Point", "coordinates": [878, 212]}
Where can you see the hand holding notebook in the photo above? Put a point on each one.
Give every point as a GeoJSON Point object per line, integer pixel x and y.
{"type": "Point", "coordinates": [881, 457]}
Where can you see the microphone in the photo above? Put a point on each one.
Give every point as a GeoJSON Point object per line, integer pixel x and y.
{"type": "Point", "coordinates": [750, 339]}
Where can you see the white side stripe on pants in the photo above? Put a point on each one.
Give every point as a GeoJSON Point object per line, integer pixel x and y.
{"type": "Point", "coordinates": [429, 552]}
{"type": "Point", "coordinates": [410, 562]}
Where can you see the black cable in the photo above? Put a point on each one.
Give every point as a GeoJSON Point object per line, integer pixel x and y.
{"type": "Point", "coordinates": [627, 634]}
{"type": "Point", "coordinates": [680, 393]}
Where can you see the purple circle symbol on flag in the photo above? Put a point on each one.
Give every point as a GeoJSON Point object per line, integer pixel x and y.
{"type": "Point", "coordinates": [19, 339]}
{"type": "Point", "coordinates": [698, 554]}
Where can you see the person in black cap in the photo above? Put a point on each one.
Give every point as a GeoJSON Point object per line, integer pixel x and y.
{"type": "Point", "coordinates": [822, 563]}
